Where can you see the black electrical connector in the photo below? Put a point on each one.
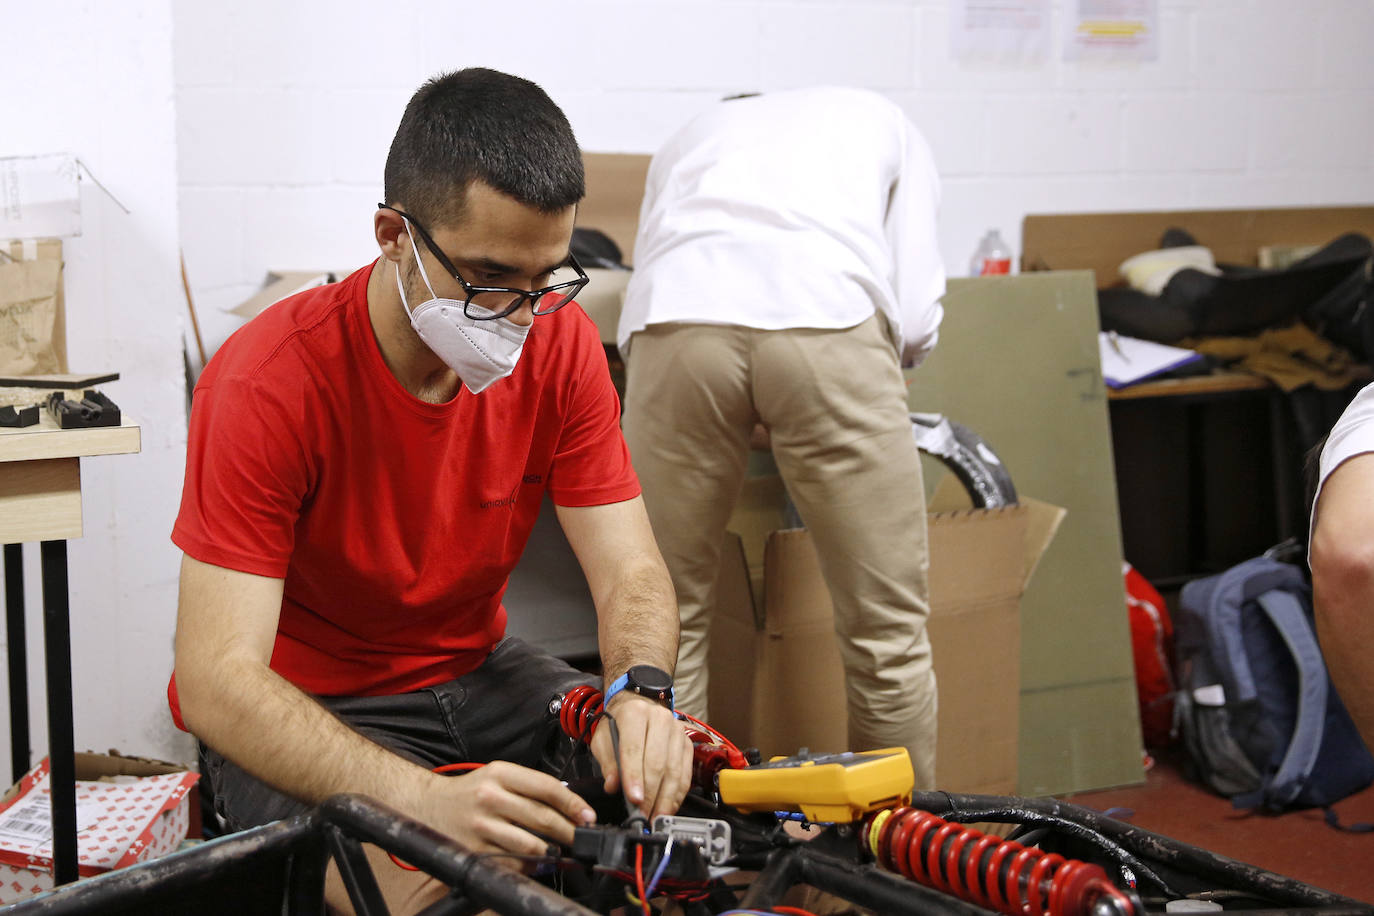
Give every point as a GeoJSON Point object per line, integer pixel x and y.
{"type": "Point", "coordinates": [613, 848]}
{"type": "Point", "coordinates": [18, 417]}
{"type": "Point", "coordinates": [93, 410]}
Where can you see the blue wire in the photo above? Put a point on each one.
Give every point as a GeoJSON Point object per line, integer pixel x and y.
{"type": "Point", "coordinates": [658, 872]}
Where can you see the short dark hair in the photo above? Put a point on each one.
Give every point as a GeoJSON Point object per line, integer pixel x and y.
{"type": "Point", "coordinates": [481, 125]}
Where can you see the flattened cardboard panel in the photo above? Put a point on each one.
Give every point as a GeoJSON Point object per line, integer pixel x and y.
{"type": "Point", "coordinates": [281, 284]}
{"type": "Point", "coordinates": [1083, 737]}
{"type": "Point", "coordinates": [1018, 364]}
{"type": "Point", "coordinates": [1101, 241]}
{"type": "Point", "coordinates": [603, 299]}
{"type": "Point", "coordinates": [615, 189]}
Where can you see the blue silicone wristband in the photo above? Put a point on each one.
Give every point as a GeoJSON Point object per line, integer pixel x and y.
{"type": "Point", "coordinates": [621, 683]}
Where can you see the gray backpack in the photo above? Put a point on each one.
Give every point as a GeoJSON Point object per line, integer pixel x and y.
{"type": "Point", "coordinates": [1259, 716]}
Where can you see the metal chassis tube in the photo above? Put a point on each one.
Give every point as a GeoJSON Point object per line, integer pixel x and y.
{"type": "Point", "coordinates": [476, 877]}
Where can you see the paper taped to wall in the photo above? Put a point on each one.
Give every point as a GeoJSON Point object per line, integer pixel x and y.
{"type": "Point", "coordinates": [40, 196]}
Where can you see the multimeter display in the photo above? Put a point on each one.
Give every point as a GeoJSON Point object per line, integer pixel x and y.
{"type": "Point", "coordinates": [835, 788]}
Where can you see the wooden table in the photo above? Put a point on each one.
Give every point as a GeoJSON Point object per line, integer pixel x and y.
{"type": "Point", "coordinates": [1214, 383]}
{"type": "Point", "coordinates": [40, 500]}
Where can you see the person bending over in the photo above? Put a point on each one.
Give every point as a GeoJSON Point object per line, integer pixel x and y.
{"type": "Point", "coordinates": [786, 268]}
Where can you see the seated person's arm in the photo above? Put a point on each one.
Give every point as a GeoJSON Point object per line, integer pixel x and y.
{"type": "Point", "coordinates": [1342, 556]}
{"type": "Point", "coordinates": [638, 625]}
{"type": "Point", "coordinates": [232, 700]}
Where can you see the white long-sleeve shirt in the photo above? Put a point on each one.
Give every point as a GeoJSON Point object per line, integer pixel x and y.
{"type": "Point", "coordinates": [808, 208]}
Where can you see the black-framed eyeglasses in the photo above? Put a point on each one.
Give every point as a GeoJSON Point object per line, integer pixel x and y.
{"type": "Point", "coordinates": [569, 279]}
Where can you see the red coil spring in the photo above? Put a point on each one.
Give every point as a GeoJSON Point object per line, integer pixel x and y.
{"type": "Point", "coordinates": [998, 874]}
{"type": "Point", "coordinates": [579, 712]}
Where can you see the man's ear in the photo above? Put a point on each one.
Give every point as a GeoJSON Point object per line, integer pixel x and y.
{"type": "Point", "coordinates": [392, 235]}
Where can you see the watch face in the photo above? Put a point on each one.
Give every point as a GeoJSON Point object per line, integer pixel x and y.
{"type": "Point", "coordinates": [647, 677]}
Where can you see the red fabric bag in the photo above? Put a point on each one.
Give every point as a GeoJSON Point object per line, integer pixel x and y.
{"type": "Point", "coordinates": [1152, 641]}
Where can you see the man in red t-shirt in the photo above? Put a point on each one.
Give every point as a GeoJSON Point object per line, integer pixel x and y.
{"type": "Point", "coordinates": [365, 464]}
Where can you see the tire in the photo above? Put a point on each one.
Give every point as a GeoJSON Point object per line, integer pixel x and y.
{"type": "Point", "coordinates": [967, 456]}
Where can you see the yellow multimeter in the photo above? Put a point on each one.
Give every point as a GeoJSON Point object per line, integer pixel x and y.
{"type": "Point", "coordinates": [837, 788]}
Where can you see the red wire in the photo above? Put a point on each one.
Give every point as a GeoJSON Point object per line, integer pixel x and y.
{"type": "Point", "coordinates": [457, 767]}
{"type": "Point", "coordinates": [793, 911]}
{"type": "Point", "coordinates": [710, 731]}
{"type": "Point", "coordinates": [639, 878]}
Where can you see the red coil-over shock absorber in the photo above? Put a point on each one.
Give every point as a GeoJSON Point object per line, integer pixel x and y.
{"type": "Point", "coordinates": [579, 712]}
{"type": "Point", "coordinates": [581, 707]}
{"type": "Point", "coordinates": [998, 874]}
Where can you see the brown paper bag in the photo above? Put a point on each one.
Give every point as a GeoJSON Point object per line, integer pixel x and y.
{"type": "Point", "coordinates": [33, 336]}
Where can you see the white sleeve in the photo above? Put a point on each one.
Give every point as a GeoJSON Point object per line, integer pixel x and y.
{"type": "Point", "coordinates": [1352, 434]}
{"type": "Point", "coordinates": [918, 273]}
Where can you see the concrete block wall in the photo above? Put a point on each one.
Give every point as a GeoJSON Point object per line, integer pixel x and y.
{"type": "Point", "coordinates": [96, 80]}
{"type": "Point", "coordinates": [252, 136]}
{"type": "Point", "coordinates": [285, 113]}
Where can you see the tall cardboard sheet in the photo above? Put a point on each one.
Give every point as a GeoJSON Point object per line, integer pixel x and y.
{"type": "Point", "coordinates": [1017, 362]}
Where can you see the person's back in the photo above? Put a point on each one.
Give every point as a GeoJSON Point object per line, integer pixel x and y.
{"type": "Point", "coordinates": [786, 257]}
{"type": "Point", "coordinates": [788, 201]}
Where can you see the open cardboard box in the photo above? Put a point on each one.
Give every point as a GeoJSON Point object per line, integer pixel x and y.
{"type": "Point", "coordinates": [129, 810]}
{"type": "Point", "coordinates": [777, 682]}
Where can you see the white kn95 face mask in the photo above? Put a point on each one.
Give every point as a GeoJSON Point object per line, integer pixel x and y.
{"type": "Point", "coordinates": [482, 352]}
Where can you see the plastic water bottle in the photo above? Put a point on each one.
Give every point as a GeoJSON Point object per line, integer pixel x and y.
{"type": "Point", "coordinates": [993, 256]}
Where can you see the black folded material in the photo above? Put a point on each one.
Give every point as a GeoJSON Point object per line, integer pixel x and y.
{"type": "Point", "coordinates": [1241, 300]}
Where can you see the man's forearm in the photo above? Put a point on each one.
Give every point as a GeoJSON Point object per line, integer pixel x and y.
{"type": "Point", "coordinates": [638, 624]}
{"type": "Point", "coordinates": [271, 729]}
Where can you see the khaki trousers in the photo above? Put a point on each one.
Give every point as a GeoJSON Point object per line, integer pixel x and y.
{"type": "Point", "coordinates": [834, 403]}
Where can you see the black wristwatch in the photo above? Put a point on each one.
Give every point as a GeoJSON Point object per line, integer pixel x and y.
{"type": "Point", "coordinates": [645, 680]}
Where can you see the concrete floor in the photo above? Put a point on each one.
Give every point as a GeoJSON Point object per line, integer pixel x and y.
{"type": "Point", "coordinates": [1298, 844]}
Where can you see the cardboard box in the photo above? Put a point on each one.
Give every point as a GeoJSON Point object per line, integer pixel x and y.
{"type": "Point", "coordinates": [777, 681]}
{"type": "Point", "coordinates": [129, 810]}
{"type": "Point", "coordinates": [283, 283]}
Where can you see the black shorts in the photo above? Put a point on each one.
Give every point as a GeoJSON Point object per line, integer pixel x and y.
{"type": "Point", "coordinates": [498, 712]}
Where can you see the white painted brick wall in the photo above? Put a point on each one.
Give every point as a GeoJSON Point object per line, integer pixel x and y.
{"type": "Point", "coordinates": [283, 113]}
{"type": "Point", "coordinates": [1251, 103]}
{"type": "Point", "coordinates": [97, 80]}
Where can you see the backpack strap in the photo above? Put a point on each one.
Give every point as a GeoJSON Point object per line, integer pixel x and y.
{"type": "Point", "coordinates": [1290, 619]}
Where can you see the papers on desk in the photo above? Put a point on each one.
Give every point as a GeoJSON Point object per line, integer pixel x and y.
{"type": "Point", "coordinates": [1127, 360]}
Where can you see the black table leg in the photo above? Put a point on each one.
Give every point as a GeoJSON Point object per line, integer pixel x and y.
{"type": "Point", "coordinates": [57, 645]}
{"type": "Point", "coordinates": [17, 649]}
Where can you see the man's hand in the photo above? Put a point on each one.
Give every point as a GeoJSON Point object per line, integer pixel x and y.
{"type": "Point", "coordinates": [503, 807]}
{"type": "Point", "coordinates": [655, 754]}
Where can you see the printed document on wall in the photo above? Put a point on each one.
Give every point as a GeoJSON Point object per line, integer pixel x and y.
{"type": "Point", "coordinates": [40, 196]}
{"type": "Point", "coordinates": [1003, 31]}
{"type": "Point", "coordinates": [1112, 30]}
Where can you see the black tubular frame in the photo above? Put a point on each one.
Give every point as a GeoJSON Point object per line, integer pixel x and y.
{"type": "Point", "coordinates": [293, 855]}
